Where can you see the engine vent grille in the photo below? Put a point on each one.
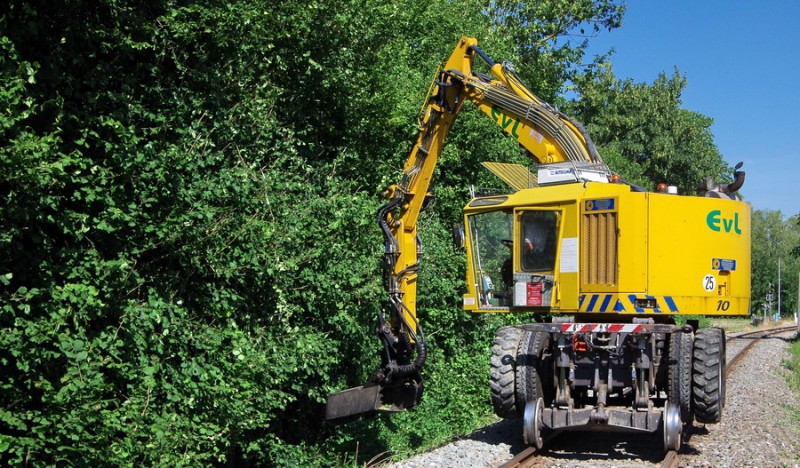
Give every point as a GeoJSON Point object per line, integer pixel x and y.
{"type": "Point", "coordinates": [599, 249]}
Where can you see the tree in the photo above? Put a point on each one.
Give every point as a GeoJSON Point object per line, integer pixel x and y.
{"type": "Point", "coordinates": [796, 249]}
{"type": "Point", "coordinates": [648, 136]}
{"type": "Point", "coordinates": [550, 37]}
{"type": "Point", "coordinates": [773, 239]}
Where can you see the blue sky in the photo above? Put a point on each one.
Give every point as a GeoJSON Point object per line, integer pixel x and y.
{"type": "Point", "coordinates": [742, 63]}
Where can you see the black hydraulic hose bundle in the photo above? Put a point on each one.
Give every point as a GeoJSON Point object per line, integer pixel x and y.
{"type": "Point", "coordinates": [397, 344]}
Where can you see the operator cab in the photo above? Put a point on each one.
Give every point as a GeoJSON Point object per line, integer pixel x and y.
{"type": "Point", "coordinates": [514, 266]}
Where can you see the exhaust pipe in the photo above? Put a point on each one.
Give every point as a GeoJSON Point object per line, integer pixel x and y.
{"type": "Point", "coordinates": [715, 190]}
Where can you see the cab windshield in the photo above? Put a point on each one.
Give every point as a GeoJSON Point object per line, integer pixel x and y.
{"type": "Point", "coordinates": [491, 237]}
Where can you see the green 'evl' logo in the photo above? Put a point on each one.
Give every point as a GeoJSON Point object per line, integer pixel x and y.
{"type": "Point", "coordinates": [717, 223]}
{"type": "Point", "coordinates": [505, 122]}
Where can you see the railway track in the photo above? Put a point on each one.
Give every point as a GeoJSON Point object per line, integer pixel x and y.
{"type": "Point", "coordinates": [750, 339]}
{"type": "Point", "coordinates": [737, 346]}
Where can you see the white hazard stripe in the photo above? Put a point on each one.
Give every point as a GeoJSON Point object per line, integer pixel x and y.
{"type": "Point", "coordinates": [601, 328]}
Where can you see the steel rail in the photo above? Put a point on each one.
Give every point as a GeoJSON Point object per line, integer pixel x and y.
{"type": "Point", "coordinates": [670, 460]}
{"type": "Point", "coordinates": [523, 459]}
{"type": "Point", "coordinates": [754, 337]}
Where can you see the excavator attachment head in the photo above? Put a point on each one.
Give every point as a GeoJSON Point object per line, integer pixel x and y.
{"type": "Point", "coordinates": [395, 387]}
{"type": "Point", "coordinates": [400, 395]}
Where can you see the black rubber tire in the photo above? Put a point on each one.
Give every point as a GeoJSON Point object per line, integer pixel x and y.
{"type": "Point", "coordinates": [708, 375]}
{"type": "Point", "coordinates": [530, 367]}
{"type": "Point", "coordinates": [502, 373]}
{"type": "Point", "coordinates": [680, 372]}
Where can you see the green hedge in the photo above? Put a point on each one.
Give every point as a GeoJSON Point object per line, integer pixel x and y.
{"type": "Point", "coordinates": [189, 258]}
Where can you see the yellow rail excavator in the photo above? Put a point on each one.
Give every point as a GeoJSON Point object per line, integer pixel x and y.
{"type": "Point", "coordinates": [605, 265]}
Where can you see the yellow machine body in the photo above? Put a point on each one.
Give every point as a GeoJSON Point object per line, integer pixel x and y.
{"type": "Point", "coordinates": [608, 251]}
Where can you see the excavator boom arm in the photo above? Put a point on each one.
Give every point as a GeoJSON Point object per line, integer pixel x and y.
{"type": "Point", "coordinates": [547, 134]}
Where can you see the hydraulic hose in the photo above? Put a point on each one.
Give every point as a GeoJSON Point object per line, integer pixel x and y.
{"type": "Point", "coordinates": [405, 370]}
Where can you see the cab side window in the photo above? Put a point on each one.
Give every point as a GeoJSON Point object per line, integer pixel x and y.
{"type": "Point", "coordinates": [539, 232]}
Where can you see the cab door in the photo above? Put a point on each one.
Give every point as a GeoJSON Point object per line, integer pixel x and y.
{"type": "Point", "coordinates": [536, 242]}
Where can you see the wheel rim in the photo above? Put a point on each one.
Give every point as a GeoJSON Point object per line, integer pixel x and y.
{"type": "Point", "coordinates": [532, 423]}
{"type": "Point", "coordinates": [672, 427]}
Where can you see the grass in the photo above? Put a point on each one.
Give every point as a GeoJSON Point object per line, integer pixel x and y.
{"type": "Point", "coordinates": [793, 376]}
{"type": "Point", "coordinates": [794, 364]}
{"type": "Point", "coordinates": [733, 325]}
{"type": "Point", "coordinates": [743, 324]}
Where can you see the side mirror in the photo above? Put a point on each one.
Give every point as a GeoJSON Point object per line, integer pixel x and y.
{"type": "Point", "coordinates": [458, 237]}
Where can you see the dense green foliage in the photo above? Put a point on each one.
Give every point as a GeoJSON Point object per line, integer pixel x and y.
{"type": "Point", "coordinates": [190, 262]}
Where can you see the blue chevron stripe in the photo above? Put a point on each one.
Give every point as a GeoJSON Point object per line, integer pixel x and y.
{"type": "Point", "coordinates": [671, 304]}
{"type": "Point", "coordinates": [604, 305]}
{"type": "Point", "coordinates": [614, 303]}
